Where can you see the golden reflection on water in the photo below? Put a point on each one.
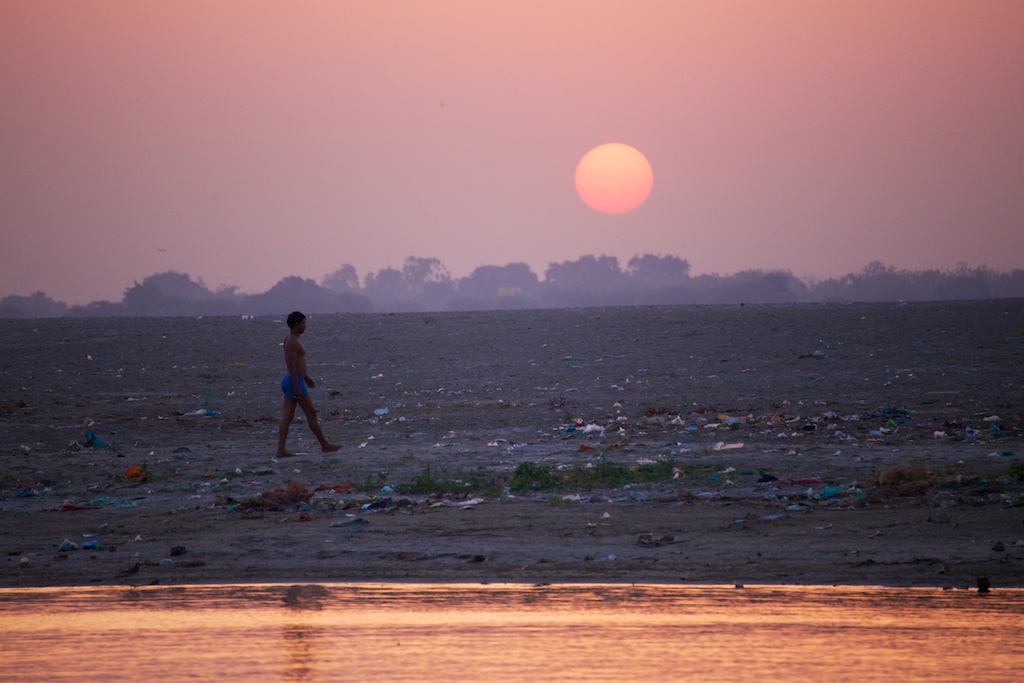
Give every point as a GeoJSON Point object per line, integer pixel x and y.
{"type": "Point", "coordinates": [397, 633]}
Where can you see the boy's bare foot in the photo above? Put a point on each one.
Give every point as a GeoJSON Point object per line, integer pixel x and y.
{"type": "Point", "coordinates": [330, 448]}
{"type": "Point", "coordinates": [286, 454]}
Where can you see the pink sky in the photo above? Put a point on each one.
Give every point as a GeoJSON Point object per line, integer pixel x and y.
{"type": "Point", "coordinates": [243, 141]}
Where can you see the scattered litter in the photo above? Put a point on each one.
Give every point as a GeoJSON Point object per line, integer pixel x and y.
{"type": "Point", "coordinates": [585, 427]}
{"type": "Point", "coordinates": [652, 541]}
{"type": "Point", "coordinates": [339, 488]}
{"type": "Point", "coordinates": [93, 441]}
{"type": "Point", "coordinates": [201, 412]}
{"type": "Point", "coordinates": [831, 492]}
{"type": "Point", "coordinates": [353, 523]}
{"type": "Point", "coordinates": [472, 502]}
{"type": "Point", "coordinates": [136, 472]}
{"type": "Point", "coordinates": [70, 507]}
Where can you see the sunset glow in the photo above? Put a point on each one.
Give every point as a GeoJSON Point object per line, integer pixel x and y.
{"type": "Point", "coordinates": [508, 633]}
{"type": "Point", "coordinates": [614, 178]}
{"type": "Point", "coordinates": [134, 132]}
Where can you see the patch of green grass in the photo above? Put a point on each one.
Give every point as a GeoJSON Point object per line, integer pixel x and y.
{"type": "Point", "coordinates": [604, 474]}
{"type": "Point", "coordinates": [530, 476]}
{"type": "Point", "coordinates": [533, 477]}
{"type": "Point", "coordinates": [379, 482]}
{"type": "Point", "coordinates": [1016, 471]}
{"type": "Point", "coordinates": [662, 470]}
{"type": "Point", "coordinates": [459, 482]}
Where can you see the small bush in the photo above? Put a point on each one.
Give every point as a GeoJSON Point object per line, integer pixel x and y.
{"type": "Point", "coordinates": [533, 477]}
{"type": "Point", "coordinates": [460, 482]}
{"type": "Point", "coordinates": [902, 480]}
{"type": "Point", "coordinates": [604, 474]}
{"type": "Point", "coordinates": [279, 499]}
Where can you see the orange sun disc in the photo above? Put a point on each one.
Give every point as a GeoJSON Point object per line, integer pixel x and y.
{"type": "Point", "coordinates": [614, 178]}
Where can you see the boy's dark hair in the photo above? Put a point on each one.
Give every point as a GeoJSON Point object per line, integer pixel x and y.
{"type": "Point", "coordinates": [294, 318]}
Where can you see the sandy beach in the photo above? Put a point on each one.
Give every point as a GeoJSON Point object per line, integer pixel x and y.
{"type": "Point", "coordinates": [874, 444]}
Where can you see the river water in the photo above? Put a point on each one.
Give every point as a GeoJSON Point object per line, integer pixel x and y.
{"type": "Point", "coordinates": [395, 633]}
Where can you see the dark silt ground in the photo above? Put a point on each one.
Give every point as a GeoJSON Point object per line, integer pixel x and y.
{"type": "Point", "coordinates": [851, 444]}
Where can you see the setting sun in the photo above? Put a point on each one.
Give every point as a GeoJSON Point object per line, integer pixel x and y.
{"type": "Point", "coordinates": [614, 178]}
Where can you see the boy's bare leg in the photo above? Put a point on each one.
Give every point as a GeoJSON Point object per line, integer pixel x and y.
{"type": "Point", "coordinates": [314, 426]}
{"type": "Point", "coordinates": [287, 415]}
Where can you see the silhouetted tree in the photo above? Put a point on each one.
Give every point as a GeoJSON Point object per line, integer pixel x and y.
{"type": "Point", "coordinates": [99, 309]}
{"type": "Point", "coordinates": [1011, 284]}
{"type": "Point", "coordinates": [497, 287]}
{"type": "Point", "coordinates": [296, 293]}
{"type": "Point", "coordinates": [345, 279]}
{"type": "Point", "coordinates": [649, 272]}
{"type": "Point", "coordinates": [173, 293]}
{"type": "Point", "coordinates": [588, 281]}
{"type": "Point", "coordinates": [418, 272]}
{"type": "Point", "coordinates": [588, 273]}
{"type": "Point", "coordinates": [427, 281]}
{"type": "Point", "coordinates": [965, 283]}
{"type": "Point", "coordinates": [37, 305]}
{"type": "Point", "coordinates": [386, 289]}
{"type": "Point", "coordinates": [762, 287]}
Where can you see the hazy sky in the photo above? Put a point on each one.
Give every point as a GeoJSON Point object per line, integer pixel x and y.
{"type": "Point", "coordinates": [243, 141]}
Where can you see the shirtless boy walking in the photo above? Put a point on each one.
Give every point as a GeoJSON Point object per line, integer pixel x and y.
{"type": "Point", "coordinates": [294, 385]}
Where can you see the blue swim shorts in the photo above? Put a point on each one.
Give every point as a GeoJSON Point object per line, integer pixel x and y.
{"type": "Point", "coordinates": [289, 391]}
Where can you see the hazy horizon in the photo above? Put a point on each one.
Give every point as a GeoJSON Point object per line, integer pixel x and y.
{"type": "Point", "coordinates": [424, 285]}
{"type": "Point", "coordinates": [245, 142]}
{"type": "Point", "coordinates": [873, 270]}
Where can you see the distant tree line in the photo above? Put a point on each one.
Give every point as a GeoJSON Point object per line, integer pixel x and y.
{"type": "Point", "coordinates": [424, 284]}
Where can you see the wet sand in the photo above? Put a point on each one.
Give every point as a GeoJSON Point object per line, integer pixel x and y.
{"type": "Point", "coordinates": [815, 444]}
